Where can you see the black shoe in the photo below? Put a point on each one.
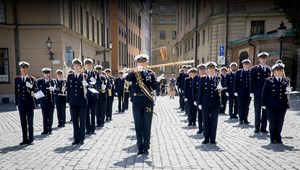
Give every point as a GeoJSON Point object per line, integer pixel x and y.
{"type": "Point", "coordinates": [30, 143]}
{"type": "Point", "coordinates": [213, 142]}
{"type": "Point", "coordinates": [246, 122]}
{"type": "Point", "coordinates": [189, 124]}
{"type": "Point", "coordinates": [75, 142]}
{"type": "Point", "coordinates": [24, 143]}
{"type": "Point", "coordinates": [44, 133]}
{"type": "Point", "coordinates": [50, 132]}
{"type": "Point", "coordinates": [235, 117]}
{"type": "Point", "coordinates": [87, 133]}
{"type": "Point", "coordinates": [256, 131]}
{"type": "Point", "coordinates": [146, 152]}
{"type": "Point", "coordinates": [194, 124]}
{"type": "Point", "coordinates": [272, 142]}
{"type": "Point", "coordinates": [231, 117]}
{"type": "Point", "coordinates": [139, 152]}
{"type": "Point", "coordinates": [264, 131]}
{"type": "Point", "coordinates": [279, 142]}
{"type": "Point", "coordinates": [81, 142]}
{"type": "Point", "coordinates": [205, 142]}
{"type": "Point", "coordinates": [62, 125]}
{"type": "Point", "coordinates": [241, 123]}
{"type": "Point", "coordinates": [93, 133]}
{"type": "Point", "coordinates": [199, 132]}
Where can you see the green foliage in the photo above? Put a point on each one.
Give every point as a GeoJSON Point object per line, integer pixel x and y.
{"type": "Point", "coordinates": [291, 11]}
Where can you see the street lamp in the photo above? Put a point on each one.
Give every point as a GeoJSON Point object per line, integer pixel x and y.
{"type": "Point", "coordinates": [281, 34]}
{"type": "Point", "coordinates": [49, 46]}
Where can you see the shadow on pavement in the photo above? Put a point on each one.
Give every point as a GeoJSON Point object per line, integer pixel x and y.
{"type": "Point", "coordinates": [130, 149]}
{"type": "Point", "coordinates": [209, 147]}
{"type": "Point", "coordinates": [12, 149]}
{"type": "Point", "coordinates": [40, 137]}
{"type": "Point", "coordinates": [131, 137]}
{"type": "Point", "coordinates": [133, 159]}
{"type": "Point", "coordinates": [244, 126]}
{"type": "Point", "coordinates": [197, 136]}
{"type": "Point", "coordinates": [65, 149]}
{"type": "Point", "coordinates": [231, 120]}
{"type": "Point", "coordinates": [189, 127]}
{"type": "Point", "coordinates": [261, 136]}
{"type": "Point", "coordinates": [279, 147]}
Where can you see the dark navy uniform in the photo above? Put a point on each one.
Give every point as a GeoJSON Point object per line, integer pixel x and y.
{"type": "Point", "coordinates": [241, 87]}
{"type": "Point", "coordinates": [110, 96]}
{"type": "Point", "coordinates": [78, 103]}
{"type": "Point", "coordinates": [196, 83]}
{"type": "Point", "coordinates": [224, 98]}
{"type": "Point", "coordinates": [90, 77]}
{"type": "Point", "coordinates": [209, 100]}
{"type": "Point", "coordinates": [142, 107]}
{"type": "Point", "coordinates": [101, 86]}
{"type": "Point", "coordinates": [233, 100]}
{"type": "Point", "coordinates": [60, 101]}
{"type": "Point", "coordinates": [178, 84]}
{"type": "Point", "coordinates": [258, 76]}
{"type": "Point", "coordinates": [184, 75]}
{"type": "Point", "coordinates": [120, 82]}
{"type": "Point", "coordinates": [47, 103]}
{"type": "Point", "coordinates": [191, 109]}
{"type": "Point", "coordinates": [25, 102]}
{"type": "Point", "coordinates": [274, 98]}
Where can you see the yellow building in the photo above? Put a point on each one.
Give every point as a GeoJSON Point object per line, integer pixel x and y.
{"type": "Point", "coordinates": [225, 32]}
{"type": "Point", "coordinates": [76, 29]}
{"type": "Point", "coordinates": [163, 34]}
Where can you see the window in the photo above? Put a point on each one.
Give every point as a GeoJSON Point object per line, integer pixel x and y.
{"type": "Point", "coordinates": [4, 66]}
{"type": "Point", "coordinates": [93, 29]}
{"type": "Point", "coordinates": [203, 36]}
{"type": "Point", "coordinates": [174, 35]}
{"type": "Point", "coordinates": [162, 21]}
{"type": "Point", "coordinates": [87, 26]}
{"type": "Point", "coordinates": [162, 34]}
{"type": "Point", "coordinates": [81, 21]}
{"type": "Point", "coordinates": [174, 9]}
{"type": "Point", "coordinates": [192, 43]}
{"type": "Point", "coordinates": [198, 39]}
{"type": "Point", "coordinates": [174, 21]}
{"type": "Point", "coordinates": [70, 13]}
{"type": "Point", "coordinates": [102, 34]}
{"type": "Point", "coordinates": [2, 11]}
{"type": "Point", "coordinates": [162, 9]}
{"type": "Point", "coordinates": [257, 27]}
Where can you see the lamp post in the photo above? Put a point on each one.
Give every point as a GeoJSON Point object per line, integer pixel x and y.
{"type": "Point", "coordinates": [281, 34]}
{"type": "Point", "coordinates": [49, 46]}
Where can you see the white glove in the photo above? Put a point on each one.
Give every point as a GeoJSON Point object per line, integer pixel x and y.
{"type": "Point", "coordinates": [200, 107]}
{"type": "Point", "coordinates": [17, 108]}
{"type": "Point", "coordinates": [251, 95]}
{"type": "Point", "coordinates": [51, 88]}
{"type": "Point", "coordinates": [176, 87]}
{"type": "Point", "coordinates": [116, 93]}
{"type": "Point", "coordinates": [288, 89]}
{"type": "Point", "coordinates": [68, 105]}
{"type": "Point", "coordinates": [185, 99]}
{"type": "Point", "coordinates": [84, 83]}
{"type": "Point", "coordinates": [235, 94]}
{"type": "Point", "coordinates": [139, 68]}
{"type": "Point", "coordinates": [179, 90]}
{"type": "Point", "coordinates": [219, 87]}
{"type": "Point", "coordinates": [93, 80]}
{"type": "Point", "coordinates": [263, 107]}
{"type": "Point", "coordinates": [103, 87]}
{"type": "Point", "coordinates": [227, 94]}
{"type": "Point", "coordinates": [29, 85]}
{"type": "Point", "coordinates": [195, 103]}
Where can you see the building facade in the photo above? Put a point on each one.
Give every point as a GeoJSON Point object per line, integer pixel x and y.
{"type": "Point", "coordinates": [75, 28]}
{"type": "Point", "coordinates": [164, 35]}
{"type": "Point", "coordinates": [130, 31]}
{"type": "Point", "coordinates": [227, 31]}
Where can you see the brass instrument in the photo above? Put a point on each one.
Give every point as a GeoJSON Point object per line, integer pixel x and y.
{"type": "Point", "coordinates": [110, 89]}
{"type": "Point", "coordinates": [63, 88]}
{"type": "Point", "coordinates": [84, 88]}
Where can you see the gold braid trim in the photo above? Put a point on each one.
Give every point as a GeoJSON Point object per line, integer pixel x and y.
{"type": "Point", "coordinates": [143, 87]}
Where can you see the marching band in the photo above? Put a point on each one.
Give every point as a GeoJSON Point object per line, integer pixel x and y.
{"type": "Point", "coordinates": [202, 91]}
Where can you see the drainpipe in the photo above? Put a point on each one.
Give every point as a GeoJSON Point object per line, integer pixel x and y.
{"type": "Point", "coordinates": [254, 50]}
{"type": "Point", "coordinates": [226, 38]}
{"type": "Point", "coordinates": [196, 38]}
{"type": "Point", "coordinates": [17, 40]}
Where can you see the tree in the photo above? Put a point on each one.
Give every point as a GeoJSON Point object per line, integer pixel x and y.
{"type": "Point", "coordinates": [291, 11]}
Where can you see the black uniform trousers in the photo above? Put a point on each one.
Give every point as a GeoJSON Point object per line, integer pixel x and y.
{"type": "Point", "coordinates": [26, 118]}
{"type": "Point", "coordinates": [121, 107]}
{"type": "Point", "coordinates": [126, 100]}
{"type": "Point", "coordinates": [61, 110]}
{"type": "Point", "coordinates": [210, 122]}
{"type": "Point", "coordinates": [276, 119]}
{"type": "Point", "coordinates": [110, 101]}
{"type": "Point", "coordinates": [233, 106]}
{"type": "Point", "coordinates": [192, 112]}
{"type": "Point", "coordinates": [101, 112]}
{"type": "Point", "coordinates": [182, 102]}
{"type": "Point", "coordinates": [260, 116]}
{"type": "Point", "coordinates": [142, 115]}
{"type": "Point", "coordinates": [224, 102]}
{"type": "Point", "coordinates": [47, 119]}
{"type": "Point", "coordinates": [200, 120]}
{"type": "Point", "coordinates": [91, 116]}
{"type": "Point", "coordinates": [244, 102]}
{"type": "Point", "coordinates": [78, 116]}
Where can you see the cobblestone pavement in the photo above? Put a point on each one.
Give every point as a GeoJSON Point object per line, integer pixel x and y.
{"type": "Point", "coordinates": [173, 145]}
